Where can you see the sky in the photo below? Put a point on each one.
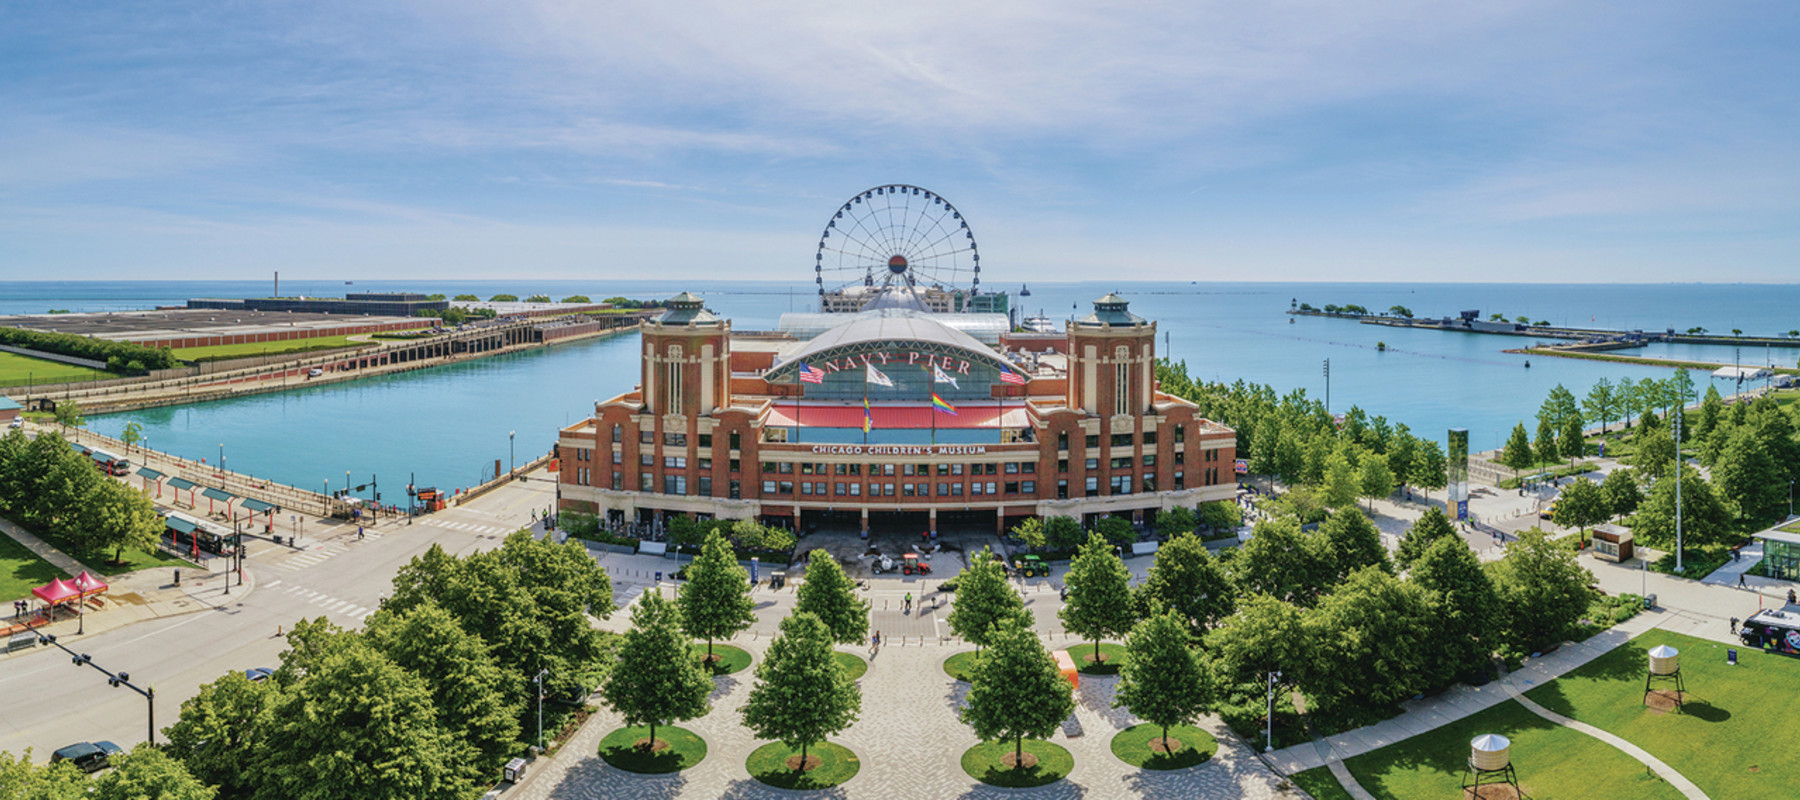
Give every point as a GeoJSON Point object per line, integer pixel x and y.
{"type": "Point", "coordinates": [1381, 140]}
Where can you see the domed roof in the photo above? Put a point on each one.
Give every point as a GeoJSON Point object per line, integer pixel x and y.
{"type": "Point", "coordinates": [686, 309]}
{"type": "Point", "coordinates": [896, 325]}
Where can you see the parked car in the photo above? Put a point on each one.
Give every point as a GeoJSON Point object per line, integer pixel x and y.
{"type": "Point", "coordinates": [88, 756]}
{"type": "Point", "coordinates": [315, 372]}
{"type": "Point", "coordinates": [17, 422]}
{"type": "Point", "coordinates": [258, 674]}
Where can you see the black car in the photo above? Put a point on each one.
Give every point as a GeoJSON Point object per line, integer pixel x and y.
{"type": "Point", "coordinates": [87, 756]}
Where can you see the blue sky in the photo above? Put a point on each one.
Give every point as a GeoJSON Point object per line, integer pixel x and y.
{"type": "Point", "coordinates": [1388, 141]}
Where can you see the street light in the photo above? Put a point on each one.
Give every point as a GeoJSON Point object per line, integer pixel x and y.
{"type": "Point", "coordinates": [221, 456]}
{"type": "Point", "coordinates": [540, 703]}
{"type": "Point", "coordinates": [1269, 745]}
{"type": "Point", "coordinates": [510, 465]}
{"type": "Point", "coordinates": [114, 680]}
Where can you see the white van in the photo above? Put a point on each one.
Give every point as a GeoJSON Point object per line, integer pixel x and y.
{"type": "Point", "coordinates": [315, 372]}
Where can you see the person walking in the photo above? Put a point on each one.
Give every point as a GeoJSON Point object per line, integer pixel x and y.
{"type": "Point", "coordinates": [1790, 597]}
{"type": "Point", "coordinates": [1741, 584]}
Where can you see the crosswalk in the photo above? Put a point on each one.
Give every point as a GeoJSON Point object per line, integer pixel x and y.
{"type": "Point", "coordinates": [331, 606]}
{"type": "Point", "coordinates": [472, 527]}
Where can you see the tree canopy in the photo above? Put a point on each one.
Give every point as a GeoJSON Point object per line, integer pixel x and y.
{"type": "Point", "coordinates": [983, 600]}
{"type": "Point", "coordinates": [829, 596]}
{"type": "Point", "coordinates": [1016, 690]}
{"type": "Point", "coordinates": [1187, 580]}
{"type": "Point", "coordinates": [656, 680]}
{"type": "Point", "coordinates": [1099, 602]}
{"type": "Point", "coordinates": [715, 600]}
{"type": "Point", "coordinates": [1433, 525]}
{"type": "Point", "coordinates": [1162, 680]}
{"type": "Point", "coordinates": [802, 694]}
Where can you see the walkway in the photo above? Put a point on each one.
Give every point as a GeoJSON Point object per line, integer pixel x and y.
{"type": "Point", "coordinates": [45, 550]}
{"type": "Point", "coordinates": [1655, 764]}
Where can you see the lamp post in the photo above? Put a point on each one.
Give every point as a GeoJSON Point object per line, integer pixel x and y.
{"type": "Point", "coordinates": [540, 709]}
{"type": "Point", "coordinates": [325, 498]}
{"type": "Point", "coordinates": [114, 680]}
{"type": "Point", "coordinates": [1678, 568]}
{"type": "Point", "coordinates": [221, 456]}
{"type": "Point", "coordinates": [511, 466]}
{"type": "Point", "coordinates": [1269, 744]}
{"type": "Point", "coordinates": [1327, 386]}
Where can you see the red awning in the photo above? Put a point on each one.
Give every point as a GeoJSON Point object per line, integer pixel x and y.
{"type": "Point", "coordinates": [894, 417]}
{"type": "Point", "coordinates": [88, 584]}
{"type": "Point", "coordinates": [57, 591]}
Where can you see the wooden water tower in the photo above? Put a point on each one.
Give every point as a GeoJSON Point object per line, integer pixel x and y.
{"type": "Point", "coordinates": [1665, 665]}
{"type": "Point", "coordinates": [1490, 765]}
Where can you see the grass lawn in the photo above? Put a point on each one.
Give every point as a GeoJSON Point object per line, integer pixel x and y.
{"type": "Point", "coordinates": [1112, 657]}
{"type": "Point", "coordinates": [131, 560]}
{"type": "Point", "coordinates": [983, 763]}
{"type": "Point", "coordinates": [960, 666]}
{"type": "Point", "coordinates": [835, 765]}
{"type": "Point", "coordinates": [1730, 738]}
{"type": "Point", "coordinates": [266, 348]}
{"type": "Point", "coordinates": [1132, 746]}
{"type": "Point", "coordinates": [727, 659]}
{"type": "Point", "coordinates": [21, 570]}
{"type": "Point", "coordinates": [680, 748]}
{"type": "Point", "coordinates": [1321, 784]}
{"type": "Point", "coordinates": [17, 370]}
{"type": "Point", "coordinates": [854, 665]}
{"type": "Point", "coordinates": [1553, 762]}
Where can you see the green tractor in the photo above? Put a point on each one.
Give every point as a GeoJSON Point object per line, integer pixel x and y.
{"type": "Point", "coordinates": [1031, 566]}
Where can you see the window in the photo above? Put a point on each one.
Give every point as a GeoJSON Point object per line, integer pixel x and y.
{"type": "Point", "coordinates": [1062, 440]}
{"type": "Point", "coordinates": [888, 470]}
{"type": "Point", "coordinates": [735, 465]}
{"type": "Point", "coordinates": [646, 437]}
{"type": "Point", "coordinates": [1093, 464]}
{"type": "Point", "coordinates": [706, 463]}
{"type": "Point", "coordinates": [887, 490]}
{"type": "Point", "coordinates": [736, 439]}
{"type": "Point", "coordinates": [785, 487]}
{"type": "Point", "coordinates": [841, 490]}
{"type": "Point", "coordinates": [1093, 440]}
{"type": "Point", "coordinates": [1180, 479]}
{"type": "Point", "coordinates": [1149, 459]}
{"type": "Point", "coordinates": [906, 489]}
{"type": "Point", "coordinates": [1149, 437]}
{"type": "Point", "coordinates": [956, 489]}
{"type": "Point", "coordinates": [1180, 433]}
{"type": "Point", "coordinates": [991, 487]}
{"type": "Point", "coordinates": [1180, 457]}
{"type": "Point", "coordinates": [840, 469]}
{"type": "Point", "coordinates": [784, 467]}
{"type": "Point", "coordinates": [956, 469]}
{"type": "Point", "coordinates": [645, 459]}
{"type": "Point", "coordinates": [1121, 462]}
{"type": "Point", "coordinates": [855, 490]}
{"type": "Point", "coordinates": [674, 462]}
{"type": "Point", "coordinates": [737, 490]}
{"type": "Point", "coordinates": [674, 484]}
{"type": "Point", "coordinates": [1062, 490]}
{"type": "Point", "coordinates": [855, 469]}
{"type": "Point", "coordinates": [1122, 384]}
{"type": "Point", "coordinates": [1012, 487]}
{"type": "Point", "coordinates": [1120, 484]}
{"type": "Point", "coordinates": [618, 433]}
{"type": "Point", "coordinates": [806, 469]}
{"type": "Point", "coordinates": [906, 470]}
{"type": "Point", "coordinates": [806, 487]}
{"type": "Point", "coordinates": [975, 487]}
{"type": "Point", "coordinates": [1028, 487]}
{"type": "Point", "coordinates": [706, 440]}
{"type": "Point", "coordinates": [1029, 468]}
{"type": "Point", "coordinates": [674, 379]}
{"type": "Point", "coordinates": [675, 440]}
{"type": "Point", "coordinates": [618, 481]}
{"type": "Point", "coordinates": [1012, 467]}
{"type": "Point", "coordinates": [1149, 482]}
{"type": "Point", "coordinates": [706, 486]}
{"type": "Point", "coordinates": [768, 487]}
{"type": "Point", "coordinates": [618, 457]}
{"type": "Point", "coordinates": [646, 483]}
{"type": "Point", "coordinates": [1062, 465]}
{"type": "Point", "coordinates": [1121, 440]}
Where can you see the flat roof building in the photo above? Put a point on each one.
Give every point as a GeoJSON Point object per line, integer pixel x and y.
{"type": "Point", "coordinates": [893, 417]}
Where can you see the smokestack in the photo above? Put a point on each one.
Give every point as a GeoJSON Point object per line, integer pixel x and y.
{"type": "Point", "coordinates": [277, 283]}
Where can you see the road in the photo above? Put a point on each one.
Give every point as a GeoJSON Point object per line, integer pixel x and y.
{"type": "Point", "coordinates": [49, 702]}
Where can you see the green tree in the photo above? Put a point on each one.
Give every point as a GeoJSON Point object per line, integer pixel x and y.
{"type": "Point", "coordinates": [475, 700]}
{"type": "Point", "coordinates": [223, 731]}
{"type": "Point", "coordinates": [1545, 445]}
{"type": "Point", "coordinates": [68, 414]}
{"type": "Point", "coordinates": [1016, 690]}
{"type": "Point", "coordinates": [504, 298]}
{"type": "Point", "coordinates": [577, 298]}
{"type": "Point", "coordinates": [1375, 481]}
{"type": "Point", "coordinates": [1431, 469]}
{"type": "Point", "coordinates": [20, 780]}
{"type": "Point", "coordinates": [1219, 515]}
{"type": "Point", "coordinates": [133, 433]}
{"type": "Point", "coordinates": [1265, 635]}
{"type": "Point", "coordinates": [1621, 491]}
{"type": "Point", "coordinates": [656, 681]}
{"type": "Point", "coordinates": [715, 601]}
{"type": "Point", "coordinates": [1162, 680]}
{"type": "Point", "coordinates": [802, 694]}
{"type": "Point", "coordinates": [1582, 505]}
{"type": "Point", "coordinates": [1341, 482]}
{"type": "Point", "coordinates": [1562, 406]}
{"type": "Point", "coordinates": [1704, 517]}
{"type": "Point", "coordinates": [1573, 440]}
{"type": "Point", "coordinates": [1542, 590]}
{"type": "Point", "coordinates": [1175, 521]}
{"type": "Point", "coordinates": [1282, 562]}
{"type": "Point", "coordinates": [538, 298]}
{"type": "Point", "coordinates": [1398, 311]}
{"type": "Point", "coordinates": [1116, 530]}
{"type": "Point", "coordinates": [116, 516]}
{"type": "Point", "coordinates": [1063, 533]}
{"type": "Point", "coordinates": [1098, 603]}
{"type": "Point", "coordinates": [1626, 392]}
{"type": "Point", "coordinates": [1433, 525]}
{"type": "Point", "coordinates": [357, 726]}
{"type": "Point", "coordinates": [1655, 456]}
{"type": "Point", "coordinates": [1378, 632]}
{"type": "Point", "coordinates": [1748, 476]}
{"type": "Point", "coordinates": [1464, 608]}
{"type": "Point", "coordinates": [466, 298]}
{"type": "Point", "coordinates": [830, 597]}
{"type": "Point", "coordinates": [1354, 543]}
{"type": "Point", "coordinates": [1187, 580]}
{"type": "Point", "coordinates": [983, 600]}
{"type": "Point", "coordinates": [1403, 454]}
{"type": "Point", "coordinates": [1712, 409]}
{"type": "Point", "coordinates": [1601, 405]}
{"type": "Point", "coordinates": [147, 773]}
{"type": "Point", "coordinates": [1030, 532]}
{"type": "Point", "coordinates": [1517, 453]}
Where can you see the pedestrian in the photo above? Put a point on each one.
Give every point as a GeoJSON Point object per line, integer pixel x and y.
{"type": "Point", "coordinates": [1790, 597]}
{"type": "Point", "coordinates": [359, 531]}
{"type": "Point", "coordinates": [875, 643]}
{"type": "Point", "coordinates": [1741, 580]}
{"type": "Point", "coordinates": [1734, 626]}
{"type": "Point", "coordinates": [909, 600]}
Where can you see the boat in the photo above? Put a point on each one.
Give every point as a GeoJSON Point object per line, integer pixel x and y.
{"type": "Point", "coordinates": [1039, 324]}
{"type": "Point", "coordinates": [1024, 290]}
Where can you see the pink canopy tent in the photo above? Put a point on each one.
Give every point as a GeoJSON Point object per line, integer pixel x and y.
{"type": "Point", "coordinates": [57, 591]}
{"type": "Point", "coordinates": [88, 584]}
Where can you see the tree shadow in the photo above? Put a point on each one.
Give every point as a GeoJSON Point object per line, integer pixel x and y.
{"type": "Point", "coordinates": [958, 696]}
{"type": "Point", "coordinates": [1704, 711]}
{"type": "Point", "coordinates": [1062, 789]}
{"type": "Point", "coordinates": [722, 686]}
{"type": "Point", "coordinates": [753, 789]}
{"type": "Point", "coordinates": [591, 773]}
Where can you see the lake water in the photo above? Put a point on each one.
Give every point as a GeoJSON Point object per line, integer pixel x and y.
{"type": "Point", "coordinates": [449, 424]}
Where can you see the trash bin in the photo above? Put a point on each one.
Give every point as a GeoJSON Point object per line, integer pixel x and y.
{"type": "Point", "coordinates": [659, 576]}
{"type": "Point", "coordinates": [514, 771]}
{"type": "Point", "coordinates": [1649, 601]}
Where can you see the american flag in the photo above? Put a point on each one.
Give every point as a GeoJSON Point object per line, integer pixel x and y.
{"type": "Point", "coordinates": [811, 374]}
{"type": "Point", "coordinates": [1008, 376]}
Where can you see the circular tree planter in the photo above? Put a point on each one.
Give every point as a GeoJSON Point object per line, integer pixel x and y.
{"type": "Point", "coordinates": [960, 666]}
{"type": "Point", "coordinates": [827, 765]}
{"type": "Point", "coordinates": [1142, 745]}
{"type": "Point", "coordinates": [675, 749]}
{"type": "Point", "coordinates": [992, 764]}
{"type": "Point", "coordinates": [726, 658]}
{"type": "Point", "coordinates": [1112, 657]}
{"type": "Point", "coordinates": [853, 664]}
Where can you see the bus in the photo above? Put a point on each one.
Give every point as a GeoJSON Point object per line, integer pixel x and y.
{"type": "Point", "coordinates": [186, 532]}
{"type": "Point", "coordinates": [109, 463]}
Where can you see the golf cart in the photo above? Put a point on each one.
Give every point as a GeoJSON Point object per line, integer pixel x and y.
{"type": "Point", "coordinates": [1031, 566]}
{"type": "Point", "coordinates": [911, 565]}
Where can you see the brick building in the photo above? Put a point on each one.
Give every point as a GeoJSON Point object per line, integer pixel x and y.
{"type": "Point", "coordinates": [894, 419]}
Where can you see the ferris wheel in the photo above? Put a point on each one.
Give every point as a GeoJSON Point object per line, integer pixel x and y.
{"type": "Point", "coordinates": [897, 235]}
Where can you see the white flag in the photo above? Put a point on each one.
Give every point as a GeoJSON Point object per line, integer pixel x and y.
{"type": "Point", "coordinates": [938, 375]}
{"type": "Point", "coordinates": [877, 378]}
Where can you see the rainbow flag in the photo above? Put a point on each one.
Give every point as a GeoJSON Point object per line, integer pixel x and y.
{"type": "Point", "coordinates": [939, 404]}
